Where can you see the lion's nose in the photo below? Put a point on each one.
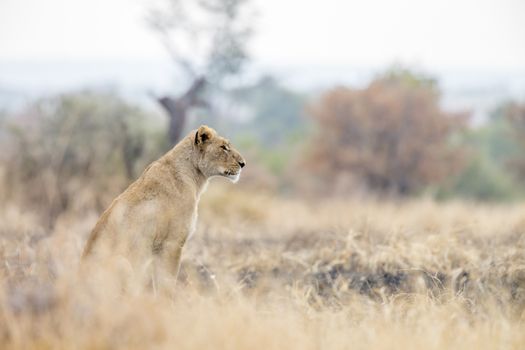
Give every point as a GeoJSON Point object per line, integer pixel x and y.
{"type": "Point", "coordinates": [242, 163]}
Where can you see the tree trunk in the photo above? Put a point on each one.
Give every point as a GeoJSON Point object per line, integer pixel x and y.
{"type": "Point", "coordinates": [177, 112]}
{"type": "Point", "coordinates": [177, 109]}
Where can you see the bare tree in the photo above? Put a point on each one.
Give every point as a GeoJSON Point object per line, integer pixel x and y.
{"type": "Point", "coordinates": [207, 41]}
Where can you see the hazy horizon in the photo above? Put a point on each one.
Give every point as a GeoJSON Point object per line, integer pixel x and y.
{"type": "Point", "coordinates": [467, 34]}
{"type": "Point", "coordinates": [474, 48]}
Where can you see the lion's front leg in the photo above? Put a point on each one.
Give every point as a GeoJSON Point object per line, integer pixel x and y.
{"type": "Point", "coordinates": [172, 258]}
{"type": "Point", "coordinates": [168, 265]}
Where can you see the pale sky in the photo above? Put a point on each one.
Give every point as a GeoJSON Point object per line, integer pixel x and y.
{"type": "Point", "coordinates": [486, 34]}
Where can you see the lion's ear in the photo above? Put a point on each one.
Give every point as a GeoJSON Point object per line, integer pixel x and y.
{"type": "Point", "coordinates": [203, 134]}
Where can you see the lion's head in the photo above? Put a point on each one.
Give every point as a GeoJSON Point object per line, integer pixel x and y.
{"type": "Point", "coordinates": [216, 156]}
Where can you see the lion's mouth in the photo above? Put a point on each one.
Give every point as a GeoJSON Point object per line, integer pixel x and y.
{"type": "Point", "coordinates": [232, 175]}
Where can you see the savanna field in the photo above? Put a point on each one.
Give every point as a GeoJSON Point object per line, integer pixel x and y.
{"type": "Point", "coordinates": [381, 204]}
{"type": "Point", "coordinates": [267, 272]}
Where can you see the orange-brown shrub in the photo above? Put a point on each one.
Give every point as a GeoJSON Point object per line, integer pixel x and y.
{"type": "Point", "coordinates": [392, 135]}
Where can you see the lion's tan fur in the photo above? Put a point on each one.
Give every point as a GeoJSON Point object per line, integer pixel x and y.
{"type": "Point", "coordinates": [152, 219]}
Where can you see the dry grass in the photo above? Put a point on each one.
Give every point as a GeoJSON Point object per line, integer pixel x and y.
{"type": "Point", "coordinates": [270, 273]}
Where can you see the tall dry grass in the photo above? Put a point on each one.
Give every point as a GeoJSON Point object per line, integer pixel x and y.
{"type": "Point", "coordinates": [273, 273]}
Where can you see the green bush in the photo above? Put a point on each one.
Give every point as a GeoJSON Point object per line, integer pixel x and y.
{"type": "Point", "coordinates": [487, 176]}
{"type": "Point", "coordinates": [483, 180]}
{"type": "Point", "coordinates": [74, 150]}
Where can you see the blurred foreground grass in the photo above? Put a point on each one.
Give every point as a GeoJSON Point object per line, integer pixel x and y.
{"type": "Point", "coordinates": [272, 273]}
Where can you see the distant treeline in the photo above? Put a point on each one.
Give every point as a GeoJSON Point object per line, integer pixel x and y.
{"type": "Point", "coordinates": [389, 138]}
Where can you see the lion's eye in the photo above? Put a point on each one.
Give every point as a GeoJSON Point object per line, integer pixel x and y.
{"type": "Point", "coordinates": [224, 148]}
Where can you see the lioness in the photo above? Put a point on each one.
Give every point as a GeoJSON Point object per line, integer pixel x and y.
{"type": "Point", "coordinates": [152, 219]}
